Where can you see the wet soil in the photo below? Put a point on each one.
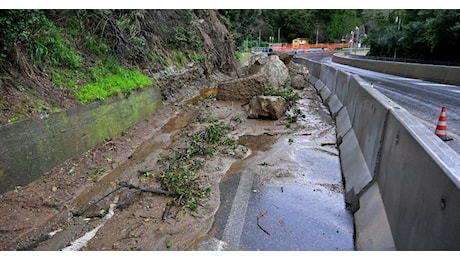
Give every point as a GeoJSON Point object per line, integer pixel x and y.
{"type": "Point", "coordinates": [72, 199]}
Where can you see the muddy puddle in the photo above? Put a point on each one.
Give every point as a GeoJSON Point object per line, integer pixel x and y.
{"type": "Point", "coordinates": [254, 143]}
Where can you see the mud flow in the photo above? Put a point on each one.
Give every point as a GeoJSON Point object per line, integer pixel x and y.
{"type": "Point", "coordinates": [100, 200]}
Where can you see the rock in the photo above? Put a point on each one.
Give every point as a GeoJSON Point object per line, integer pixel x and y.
{"type": "Point", "coordinates": [242, 89]}
{"type": "Point", "coordinates": [298, 81]}
{"type": "Point", "coordinates": [267, 107]}
{"type": "Point", "coordinates": [298, 74]}
{"type": "Point", "coordinates": [275, 70]}
{"type": "Point", "coordinates": [265, 72]}
{"type": "Point", "coordinates": [286, 58]}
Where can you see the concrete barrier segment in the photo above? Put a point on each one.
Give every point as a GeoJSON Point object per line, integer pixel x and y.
{"type": "Point", "coordinates": [300, 60]}
{"type": "Point", "coordinates": [372, 230]}
{"type": "Point", "coordinates": [418, 177]}
{"type": "Point", "coordinates": [328, 76]}
{"type": "Point", "coordinates": [342, 82]}
{"type": "Point", "coordinates": [316, 69]}
{"type": "Point", "coordinates": [325, 74]}
{"type": "Point", "coordinates": [333, 84]}
{"type": "Point", "coordinates": [342, 123]}
{"type": "Point", "coordinates": [368, 110]}
{"type": "Point", "coordinates": [354, 168]}
{"type": "Point", "coordinates": [334, 105]}
{"type": "Point", "coordinates": [325, 93]}
{"type": "Point", "coordinates": [312, 79]}
{"type": "Point", "coordinates": [319, 85]}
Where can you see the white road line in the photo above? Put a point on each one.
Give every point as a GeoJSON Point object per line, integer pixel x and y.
{"type": "Point", "coordinates": [235, 223]}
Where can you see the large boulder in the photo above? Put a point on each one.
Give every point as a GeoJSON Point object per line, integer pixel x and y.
{"type": "Point", "coordinates": [298, 81]}
{"type": "Point", "coordinates": [273, 68]}
{"type": "Point", "coordinates": [265, 72]}
{"type": "Point", "coordinates": [298, 74]}
{"type": "Point", "coordinates": [242, 89]}
{"type": "Point", "coordinates": [267, 107]}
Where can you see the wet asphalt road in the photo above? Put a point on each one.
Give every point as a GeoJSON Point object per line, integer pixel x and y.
{"type": "Point", "coordinates": [287, 198]}
{"type": "Point", "coordinates": [423, 99]}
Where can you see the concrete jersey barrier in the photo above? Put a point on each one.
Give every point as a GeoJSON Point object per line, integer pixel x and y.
{"type": "Point", "coordinates": [434, 73]}
{"type": "Point", "coordinates": [402, 182]}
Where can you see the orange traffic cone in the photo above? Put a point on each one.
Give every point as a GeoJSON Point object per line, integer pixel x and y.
{"type": "Point", "coordinates": [441, 127]}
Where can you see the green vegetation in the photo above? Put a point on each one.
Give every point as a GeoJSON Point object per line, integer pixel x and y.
{"type": "Point", "coordinates": [16, 28]}
{"type": "Point", "coordinates": [431, 35]}
{"type": "Point", "coordinates": [194, 57]}
{"type": "Point", "coordinates": [50, 48]}
{"type": "Point", "coordinates": [286, 92]}
{"type": "Point", "coordinates": [97, 173]}
{"type": "Point", "coordinates": [178, 58]}
{"type": "Point", "coordinates": [168, 245]}
{"type": "Point", "coordinates": [179, 169]}
{"type": "Point", "coordinates": [107, 82]}
{"type": "Point", "coordinates": [413, 33]}
{"type": "Point", "coordinates": [185, 38]}
{"type": "Point", "coordinates": [95, 54]}
{"type": "Point", "coordinates": [238, 119]}
{"type": "Point", "coordinates": [291, 96]}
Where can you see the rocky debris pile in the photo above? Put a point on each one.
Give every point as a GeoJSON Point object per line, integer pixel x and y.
{"type": "Point", "coordinates": [264, 72]}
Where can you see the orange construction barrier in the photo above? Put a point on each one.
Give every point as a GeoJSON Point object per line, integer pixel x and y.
{"type": "Point", "coordinates": [286, 47]}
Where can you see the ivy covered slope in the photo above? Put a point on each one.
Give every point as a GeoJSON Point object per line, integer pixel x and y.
{"type": "Point", "coordinates": [56, 59]}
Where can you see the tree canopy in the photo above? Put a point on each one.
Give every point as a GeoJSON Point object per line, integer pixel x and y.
{"type": "Point", "coordinates": [415, 33]}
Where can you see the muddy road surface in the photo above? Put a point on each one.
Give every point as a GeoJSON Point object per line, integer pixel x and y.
{"type": "Point", "coordinates": [107, 198]}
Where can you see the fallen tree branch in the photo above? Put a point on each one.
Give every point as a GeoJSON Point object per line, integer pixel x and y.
{"type": "Point", "coordinates": [97, 201]}
{"type": "Point", "coordinates": [154, 191]}
{"type": "Point", "coordinates": [166, 212]}
{"type": "Point", "coordinates": [258, 224]}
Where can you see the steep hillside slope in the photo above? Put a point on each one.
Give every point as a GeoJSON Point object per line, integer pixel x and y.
{"type": "Point", "coordinates": [52, 60]}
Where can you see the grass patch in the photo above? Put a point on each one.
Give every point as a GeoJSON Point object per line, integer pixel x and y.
{"type": "Point", "coordinates": [108, 81]}
{"type": "Point", "coordinates": [179, 58]}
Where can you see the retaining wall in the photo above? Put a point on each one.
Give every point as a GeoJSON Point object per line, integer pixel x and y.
{"type": "Point", "coordinates": [402, 182]}
{"type": "Point", "coordinates": [33, 146]}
